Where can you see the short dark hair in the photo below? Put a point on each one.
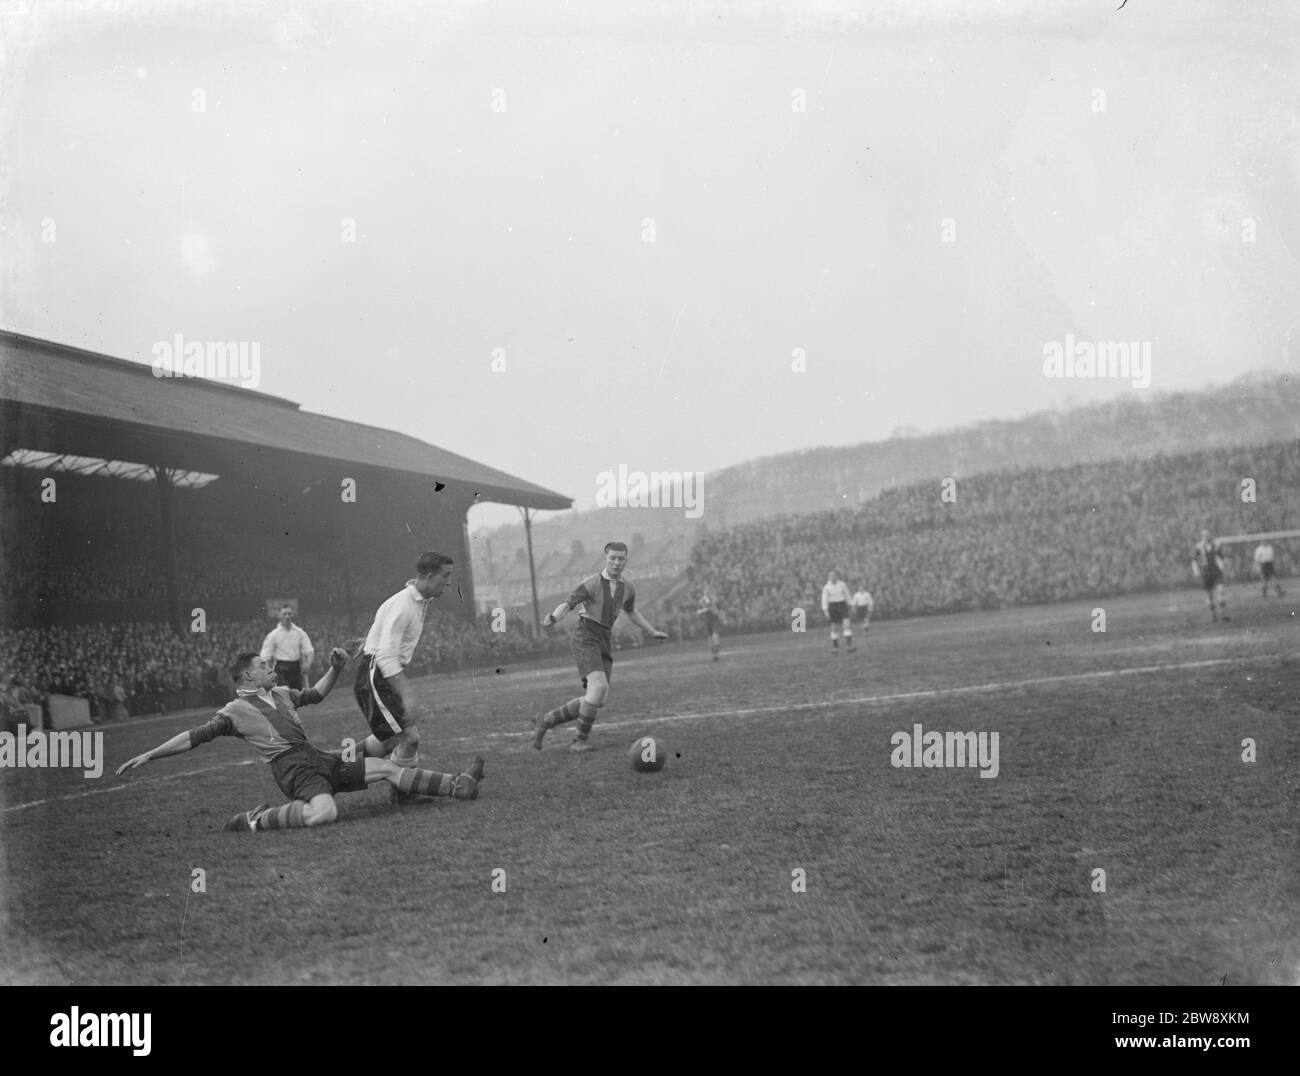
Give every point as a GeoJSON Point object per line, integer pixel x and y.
{"type": "Point", "coordinates": [241, 663]}
{"type": "Point", "coordinates": [431, 562]}
{"type": "Point", "coordinates": [621, 547]}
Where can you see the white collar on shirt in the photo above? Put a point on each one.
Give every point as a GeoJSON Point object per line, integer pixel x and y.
{"type": "Point", "coordinates": [609, 578]}
{"type": "Point", "coordinates": [415, 591]}
{"type": "Point", "coordinates": [262, 693]}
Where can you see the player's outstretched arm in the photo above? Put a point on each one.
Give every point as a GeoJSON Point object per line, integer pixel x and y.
{"type": "Point", "coordinates": [645, 625]}
{"type": "Point", "coordinates": [338, 659]}
{"type": "Point", "coordinates": [559, 613]}
{"type": "Point", "coordinates": [178, 744]}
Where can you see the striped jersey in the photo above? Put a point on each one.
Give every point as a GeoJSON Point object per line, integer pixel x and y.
{"type": "Point", "coordinates": [1207, 556]}
{"type": "Point", "coordinates": [599, 599]}
{"type": "Point", "coordinates": [270, 728]}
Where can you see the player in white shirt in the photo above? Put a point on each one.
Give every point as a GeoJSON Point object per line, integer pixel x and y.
{"type": "Point", "coordinates": [862, 608]}
{"type": "Point", "coordinates": [1267, 570]}
{"type": "Point", "coordinates": [288, 648]}
{"type": "Point", "coordinates": [382, 689]}
{"type": "Point", "coordinates": [835, 604]}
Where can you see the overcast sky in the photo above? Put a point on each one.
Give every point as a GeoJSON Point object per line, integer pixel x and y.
{"type": "Point", "coordinates": [1130, 175]}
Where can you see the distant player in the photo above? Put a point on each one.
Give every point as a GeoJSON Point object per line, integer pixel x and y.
{"type": "Point", "coordinates": [862, 606]}
{"type": "Point", "coordinates": [713, 620]}
{"type": "Point", "coordinates": [835, 604]}
{"type": "Point", "coordinates": [598, 599]}
{"type": "Point", "coordinates": [1267, 572]}
{"type": "Point", "coordinates": [382, 688]}
{"type": "Point", "coordinates": [267, 717]}
{"type": "Point", "coordinates": [289, 648]}
{"type": "Point", "coordinates": [1207, 563]}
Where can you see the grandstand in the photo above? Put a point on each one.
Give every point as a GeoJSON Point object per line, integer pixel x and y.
{"type": "Point", "coordinates": [1011, 537]}
{"type": "Point", "coordinates": [175, 494]}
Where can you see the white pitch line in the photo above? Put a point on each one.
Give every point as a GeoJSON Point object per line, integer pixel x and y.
{"type": "Point", "coordinates": [129, 784]}
{"type": "Point", "coordinates": [907, 696]}
{"type": "Point", "coordinates": [825, 704]}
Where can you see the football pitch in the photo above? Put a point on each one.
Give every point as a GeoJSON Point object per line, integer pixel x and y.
{"type": "Point", "coordinates": [780, 844]}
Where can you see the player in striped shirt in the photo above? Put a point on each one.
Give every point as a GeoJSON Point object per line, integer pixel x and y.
{"type": "Point", "coordinates": [598, 599]}
{"type": "Point", "coordinates": [267, 717]}
{"type": "Point", "coordinates": [1207, 563]}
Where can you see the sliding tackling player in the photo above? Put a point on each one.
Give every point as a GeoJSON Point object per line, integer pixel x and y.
{"type": "Point", "coordinates": [267, 717]}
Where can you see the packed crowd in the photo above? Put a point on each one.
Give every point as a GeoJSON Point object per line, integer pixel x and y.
{"type": "Point", "coordinates": [144, 668]}
{"type": "Point", "coordinates": [1008, 538]}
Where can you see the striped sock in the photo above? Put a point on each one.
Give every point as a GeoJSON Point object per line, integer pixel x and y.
{"type": "Point", "coordinates": [586, 717]}
{"type": "Point", "coordinates": [561, 714]}
{"type": "Point", "coordinates": [424, 782]}
{"type": "Point", "coordinates": [287, 817]}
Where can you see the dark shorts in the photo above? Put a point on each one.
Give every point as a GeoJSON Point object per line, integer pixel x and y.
{"type": "Point", "coordinates": [1266, 569]}
{"type": "Point", "coordinates": [837, 611]}
{"type": "Point", "coordinates": [591, 643]}
{"type": "Point", "coordinates": [381, 704]}
{"type": "Point", "coordinates": [711, 622]}
{"type": "Point", "coordinates": [1211, 579]}
{"type": "Point", "coordinates": [303, 772]}
{"type": "Point", "coordinates": [289, 674]}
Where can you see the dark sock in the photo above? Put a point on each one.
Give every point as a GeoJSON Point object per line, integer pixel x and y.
{"type": "Point", "coordinates": [562, 714]}
{"type": "Point", "coordinates": [424, 782]}
{"type": "Point", "coordinates": [290, 816]}
{"type": "Point", "coordinates": [586, 717]}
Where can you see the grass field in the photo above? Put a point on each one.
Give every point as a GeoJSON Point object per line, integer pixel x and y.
{"type": "Point", "coordinates": [1119, 751]}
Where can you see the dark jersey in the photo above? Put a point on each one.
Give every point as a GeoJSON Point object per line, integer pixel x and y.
{"type": "Point", "coordinates": [1208, 555]}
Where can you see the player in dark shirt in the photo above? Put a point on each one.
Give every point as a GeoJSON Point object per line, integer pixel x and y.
{"type": "Point", "coordinates": [1207, 563]}
{"type": "Point", "coordinates": [599, 599]}
{"type": "Point", "coordinates": [712, 620]}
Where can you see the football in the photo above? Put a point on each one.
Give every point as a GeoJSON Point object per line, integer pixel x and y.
{"type": "Point", "coordinates": [647, 755]}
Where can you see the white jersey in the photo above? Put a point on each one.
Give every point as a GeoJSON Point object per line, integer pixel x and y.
{"type": "Point", "coordinates": [862, 599]}
{"type": "Point", "coordinates": [288, 644]}
{"type": "Point", "coordinates": [834, 592]}
{"type": "Point", "coordinates": [398, 624]}
{"type": "Point", "coordinates": [1264, 553]}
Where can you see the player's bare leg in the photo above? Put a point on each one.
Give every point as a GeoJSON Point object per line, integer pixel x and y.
{"type": "Point", "coordinates": [848, 634]}
{"type": "Point", "coordinates": [715, 644]}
